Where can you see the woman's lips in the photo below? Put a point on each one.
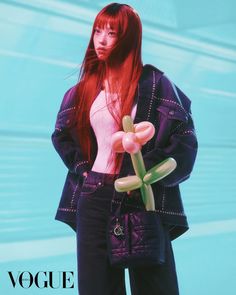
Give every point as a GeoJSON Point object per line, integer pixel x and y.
{"type": "Point", "coordinates": [102, 52]}
{"type": "Point", "coordinates": [101, 49]}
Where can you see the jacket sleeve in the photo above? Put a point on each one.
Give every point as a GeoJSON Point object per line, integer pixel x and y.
{"type": "Point", "coordinates": [176, 135]}
{"type": "Point", "coordinates": [62, 138]}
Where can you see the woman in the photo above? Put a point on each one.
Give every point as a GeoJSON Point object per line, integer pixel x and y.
{"type": "Point", "coordinates": [113, 83]}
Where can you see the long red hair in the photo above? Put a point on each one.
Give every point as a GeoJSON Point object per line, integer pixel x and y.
{"type": "Point", "coordinates": [125, 58]}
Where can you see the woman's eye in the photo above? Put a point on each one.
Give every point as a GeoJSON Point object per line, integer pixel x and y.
{"type": "Point", "coordinates": [97, 31]}
{"type": "Point", "coordinates": [112, 33]}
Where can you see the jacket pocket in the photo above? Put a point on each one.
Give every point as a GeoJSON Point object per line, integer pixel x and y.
{"type": "Point", "coordinates": [169, 119]}
{"type": "Point", "coordinates": [172, 113]}
{"type": "Point", "coordinates": [66, 118]}
{"type": "Point", "coordinates": [90, 188]}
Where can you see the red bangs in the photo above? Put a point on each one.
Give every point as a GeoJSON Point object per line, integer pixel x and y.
{"type": "Point", "coordinates": [103, 20]}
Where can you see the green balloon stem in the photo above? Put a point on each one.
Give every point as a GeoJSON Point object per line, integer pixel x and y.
{"type": "Point", "coordinates": [137, 161]}
{"type": "Point", "coordinates": [146, 178]}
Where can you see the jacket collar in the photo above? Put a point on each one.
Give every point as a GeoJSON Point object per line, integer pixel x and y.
{"type": "Point", "coordinates": [146, 91]}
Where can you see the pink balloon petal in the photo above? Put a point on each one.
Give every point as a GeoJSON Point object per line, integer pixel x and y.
{"type": "Point", "coordinates": [116, 142]}
{"type": "Point", "coordinates": [144, 131]}
{"type": "Point", "coordinates": [130, 143]}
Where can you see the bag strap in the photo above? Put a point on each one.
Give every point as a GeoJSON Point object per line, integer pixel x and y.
{"type": "Point", "coordinates": [116, 204]}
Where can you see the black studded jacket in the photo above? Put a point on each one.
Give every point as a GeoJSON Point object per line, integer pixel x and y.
{"type": "Point", "coordinates": [161, 102]}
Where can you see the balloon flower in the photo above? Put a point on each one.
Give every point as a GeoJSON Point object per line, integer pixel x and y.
{"type": "Point", "coordinates": [131, 140]}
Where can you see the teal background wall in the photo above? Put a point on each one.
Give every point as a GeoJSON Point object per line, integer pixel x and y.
{"type": "Point", "coordinates": [42, 44]}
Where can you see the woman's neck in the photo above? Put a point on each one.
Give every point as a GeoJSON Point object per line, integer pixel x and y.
{"type": "Point", "coordinates": [111, 85]}
{"type": "Point", "coordinates": [112, 79]}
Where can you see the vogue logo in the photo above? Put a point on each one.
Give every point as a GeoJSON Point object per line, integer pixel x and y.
{"type": "Point", "coordinates": [43, 279]}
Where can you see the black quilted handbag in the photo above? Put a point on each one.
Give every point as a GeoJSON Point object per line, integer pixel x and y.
{"type": "Point", "coordinates": [135, 238]}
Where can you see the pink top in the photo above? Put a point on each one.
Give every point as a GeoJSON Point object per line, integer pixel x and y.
{"type": "Point", "coordinates": [104, 125]}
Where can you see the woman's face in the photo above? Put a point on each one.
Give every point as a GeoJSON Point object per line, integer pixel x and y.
{"type": "Point", "coordinates": [104, 40]}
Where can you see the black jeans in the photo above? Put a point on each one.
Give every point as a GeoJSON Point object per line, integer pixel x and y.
{"type": "Point", "coordinates": [95, 274]}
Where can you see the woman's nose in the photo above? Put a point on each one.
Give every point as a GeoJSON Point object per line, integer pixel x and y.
{"type": "Point", "coordinates": [103, 39]}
